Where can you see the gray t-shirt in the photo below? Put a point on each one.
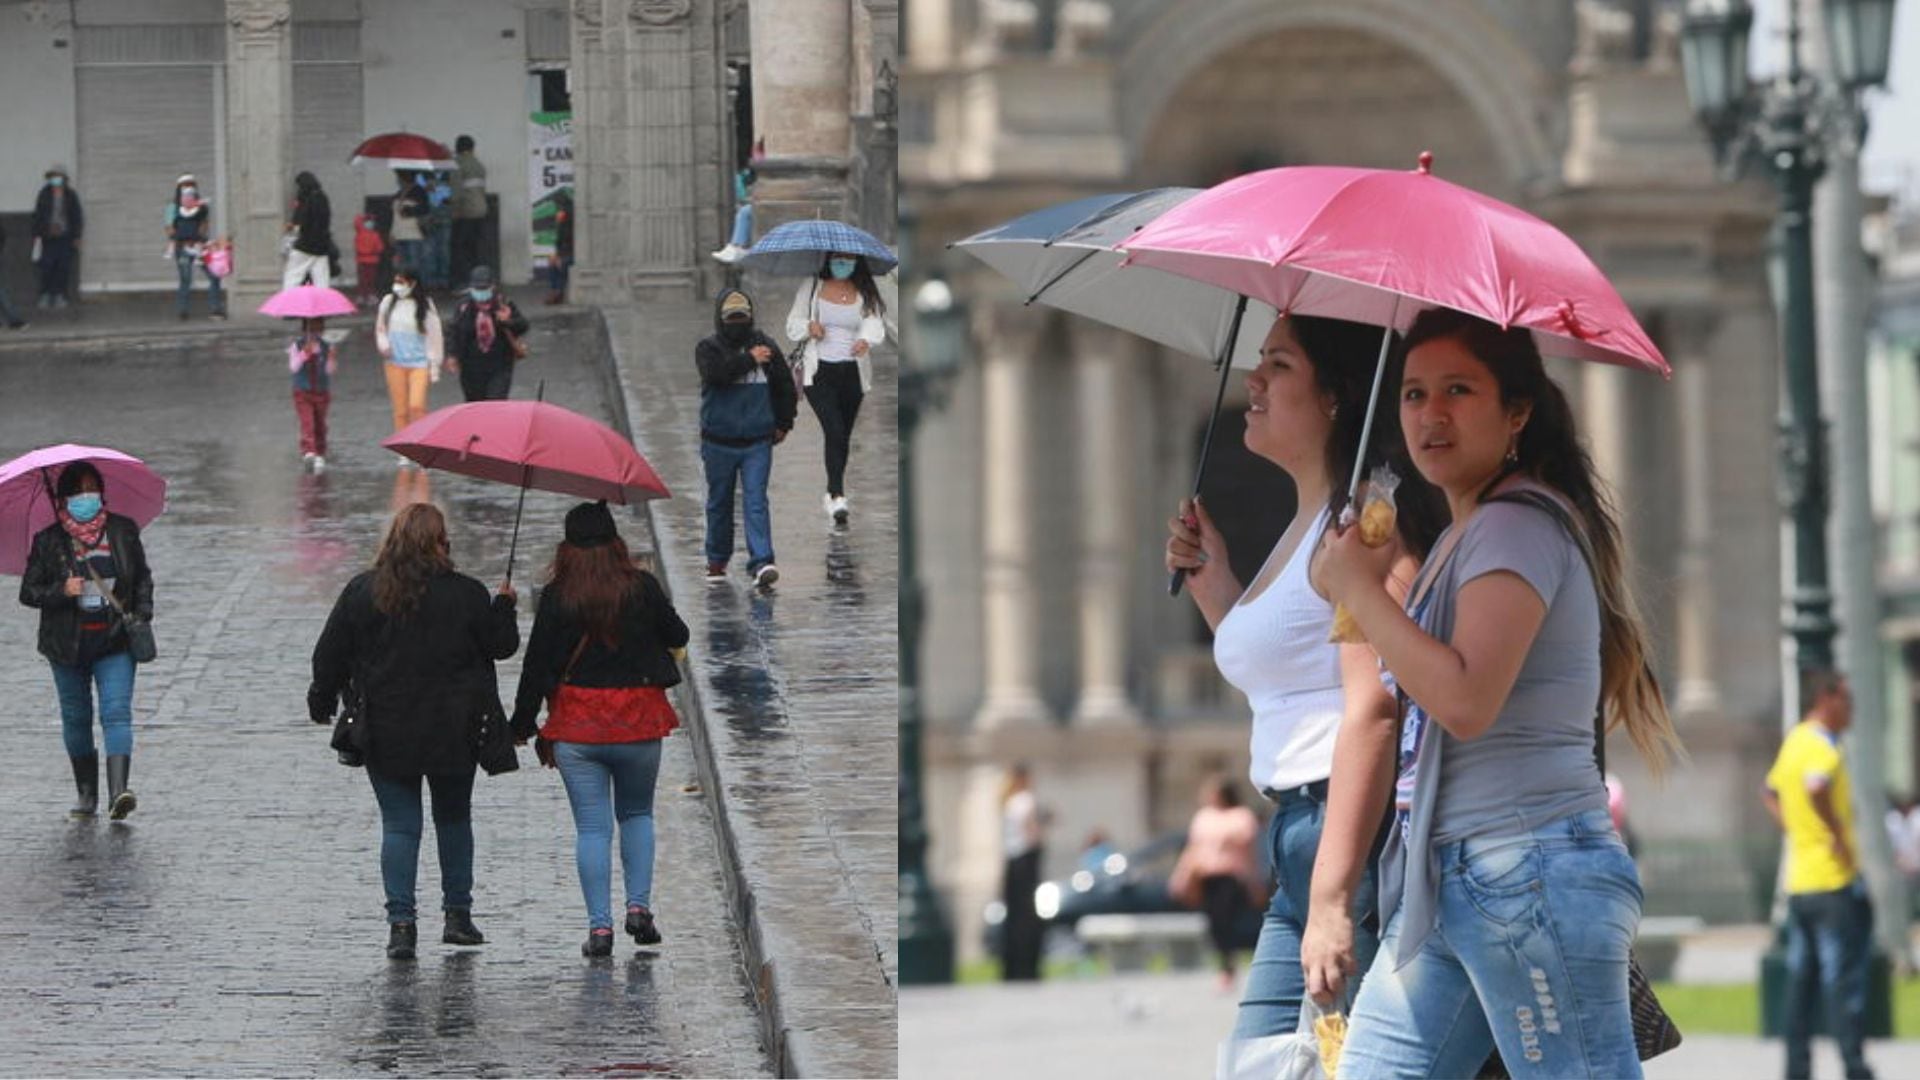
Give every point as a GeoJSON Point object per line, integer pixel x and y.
{"type": "Point", "coordinates": [1535, 764]}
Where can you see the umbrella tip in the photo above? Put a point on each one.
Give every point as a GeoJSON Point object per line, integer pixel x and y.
{"type": "Point", "coordinates": [1426, 163]}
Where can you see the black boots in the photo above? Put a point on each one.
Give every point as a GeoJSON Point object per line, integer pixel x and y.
{"type": "Point", "coordinates": [120, 801]}
{"type": "Point", "coordinates": [640, 925]}
{"type": "Point", "coordinates": [401, 937]}
{"type": "Point", "coordinates": [460, 929]}
{"type": "Point", "coordinates": [599, 943]}
{"type": "Point", "coordinates": [86, 780]}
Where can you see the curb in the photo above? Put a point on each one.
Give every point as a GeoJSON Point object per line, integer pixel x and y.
{"type": "Point", "coordinates": [784, 1046]}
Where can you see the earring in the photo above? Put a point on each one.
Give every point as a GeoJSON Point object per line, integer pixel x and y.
{"type": "Point", "coordinates": [1513, 451]}
{"type": "Point", "coordinates": [1333, 412]}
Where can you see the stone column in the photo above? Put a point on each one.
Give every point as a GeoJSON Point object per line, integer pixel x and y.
{"type": "Point", "coordinates": [1010, 337]}
{"type": "Point", "coordinates": [259, 143]}
{"type": "Point", "coordinates": [655, 77]}
{"type": "Point", "coordinates": [595, 276]}
{"type": "Point", "coordinates": [1698, 691]}
{"type": "Point", "coordinates": [1106, 509]}
{"type": "Point", "coordinates": [802, 57]}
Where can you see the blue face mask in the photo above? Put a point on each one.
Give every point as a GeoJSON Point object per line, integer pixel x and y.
{"type": "Point", "coordinates": [841, 269]}
{"type": "Point", "coordinates": [481, 296]}
{"type": "Point", "coordinates": [84, 506]}
{"type": "Point", "coordinates": [56, 181]}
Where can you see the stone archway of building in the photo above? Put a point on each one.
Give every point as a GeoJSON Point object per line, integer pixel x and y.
{"type": "Point", "coordinates": [1452, 44]}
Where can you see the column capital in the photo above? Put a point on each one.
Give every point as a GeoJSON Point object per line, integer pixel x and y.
{"type": "Point", "coordinates": [259, 17]}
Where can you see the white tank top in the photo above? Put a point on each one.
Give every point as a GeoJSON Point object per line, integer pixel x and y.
{"type": "Point", "coordinates": [1275, 651]}
{"type": "Point", "coordinates": [842, 324]}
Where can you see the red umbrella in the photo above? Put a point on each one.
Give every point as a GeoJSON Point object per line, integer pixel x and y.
{"type": "Point", "coordinates": [403, 150]}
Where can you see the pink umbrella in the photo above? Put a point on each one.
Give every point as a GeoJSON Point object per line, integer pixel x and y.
{"type": "Point", "coordinates": [26, 494]}
{"type": "Point", "coordinates": [403, 150]}
{"type": "Point", "coordinates": [530, 444]}
{"type": "Point", "coordinates": [307, 302]}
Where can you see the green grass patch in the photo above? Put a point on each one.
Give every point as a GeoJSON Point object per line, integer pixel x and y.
{"type": "Point", "coordinates": [1734, 1009]}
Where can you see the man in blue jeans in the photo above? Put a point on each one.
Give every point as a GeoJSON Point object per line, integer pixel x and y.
{"type": "Point", "coordinates": [747, 406]}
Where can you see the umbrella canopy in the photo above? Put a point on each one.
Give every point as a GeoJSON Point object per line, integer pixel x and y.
{"type": "Point", "coordinates": [800, 248]}
{"type": "Point", "coordinates": [1379, 246]}
{"type": "Point", "coordinates": [1066, 256]}
{"type": "Point", "coordinates": [530, 444]}
{"type": "Point", "coordinates": [26, 494]}
{"type": "Point", "coordinates": [404, 150]}
{"type": "Point", "coordinates": [307, 302]}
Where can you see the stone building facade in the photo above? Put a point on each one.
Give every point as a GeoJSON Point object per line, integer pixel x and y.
{"type": "Point", "coordinates": [1051, 638]}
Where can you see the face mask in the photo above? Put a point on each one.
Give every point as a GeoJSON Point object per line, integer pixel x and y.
{"type": "Point", "coordinates": [736, 333]}
{"type": "Point", "coordinates": [481, 296]}
{"type": "Point", "coordinates": [56, 181]}
{"type": "Point", "coordinates": [84, 506]}
{"type": "Point", "coordinates": [402, 291]}
{"type": "Point", "coordinates": [841, 269]}
{"type": "Point", "coordinates": [190, 192]}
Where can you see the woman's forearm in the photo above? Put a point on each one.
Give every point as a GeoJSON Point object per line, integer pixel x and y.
{"type": "Point", "coordinates": [1357, 795]}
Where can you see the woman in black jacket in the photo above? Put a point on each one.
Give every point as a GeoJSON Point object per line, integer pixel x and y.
{"type": "Point", "coordinates": [312, 232]}
{"type": "Point", "coordinates": [81, 635]}
{"type": "Point", "coordinates": [480, 342]}
{"type": "Point", "coordinates": [412, 644]}
{"type": "Point", "coordinates": [602, 658]}
{"type": "Point", "coordinates": [58, 223]}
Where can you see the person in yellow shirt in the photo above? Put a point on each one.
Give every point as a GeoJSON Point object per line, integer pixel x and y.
{"type": "Point", "coordinates": [1829, 918]}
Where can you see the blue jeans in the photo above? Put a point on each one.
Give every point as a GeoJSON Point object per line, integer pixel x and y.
{"type": "Point", "coordinates": [1532, 935]}
{"type": "Point", "coordinates": [113, 674]}
{"type": "Point", "coordinates": [400, 828]}
{"type": "Point", "coordinates": [750, 466]}
{"type": "Point", "coordinates": [742, 226]}
{"type": "Point", "coordinates": [630, 769]}
{"type": "Point", "coordinates": [1828, 944]}
{"type": "Point", "coordinates": [409, 254]}
{"type": "Point", "coordinates": [184, 261]}
{"type": "Point", "coordinates": [435, 255]}
{"type": "Point", "coordinates": [557, 275]}
{"type": "Point", "coordinates": [1270, 1004]}
{"type": "Point", "coordinates": [7, 309]}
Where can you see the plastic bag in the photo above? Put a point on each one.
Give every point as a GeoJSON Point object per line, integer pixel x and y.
{"type": "Point", "coordinates": [1378, 515]}
{"type": "Point", "coordinates": [1298, 1056]}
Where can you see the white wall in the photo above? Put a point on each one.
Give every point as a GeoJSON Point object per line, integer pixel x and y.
{"type": "Point", "coordinates": [441, 68]}
{"type": "Point", "coordinates": [36, 82]}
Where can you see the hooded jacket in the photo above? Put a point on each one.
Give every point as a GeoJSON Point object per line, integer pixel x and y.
{"type": "Point", "coordinates": [742, 403]}
{"type": "Point", "coordinates": [43, 215]}
{"type": "Point", "coordinates": [50, 562]}
{"type": "Point", "coordinates": [312, 216]}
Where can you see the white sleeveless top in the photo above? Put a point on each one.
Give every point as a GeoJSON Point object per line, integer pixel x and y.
{"type": "Point", "coordinates": [1275, 651]}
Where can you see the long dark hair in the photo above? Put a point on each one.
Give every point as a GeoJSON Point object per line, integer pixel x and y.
{"type": "Point", "coordinates": [418, 295]}
{"type": "Point", "coordinates": [594, 583]}
{"type": "Point", "coordinates": [1342, 354]}
{"type": "Point", "coordinates": [413, 553]}
{"type": "Point", "coordinates": [870, 302]}
{"type": "Point", "coordinates": [1549, 450]}
{"type": "Point", "coordinates": [73, 475]}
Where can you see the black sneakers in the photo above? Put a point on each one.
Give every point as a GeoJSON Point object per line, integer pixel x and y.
{"type": "Point", "coordinates": [599, 943]}
{"type": "Point", "coordinates": [640, 925]}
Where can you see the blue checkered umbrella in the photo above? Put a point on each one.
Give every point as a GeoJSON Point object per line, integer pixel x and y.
{"type": "Point", "coordinates": [800, 249]}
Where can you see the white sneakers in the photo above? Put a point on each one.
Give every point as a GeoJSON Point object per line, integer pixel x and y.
{"type": "Point", "coordinates": [315, 462]}
{"type": "Point", "coordinates": [730, 254]}
{"type": "Point", "coordinates": [836, 506]}
{"type": "Point", "coordinates": [766, 576]}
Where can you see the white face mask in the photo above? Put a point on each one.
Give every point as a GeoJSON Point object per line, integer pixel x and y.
{"type": "Point", "coordinates": [401, 290]}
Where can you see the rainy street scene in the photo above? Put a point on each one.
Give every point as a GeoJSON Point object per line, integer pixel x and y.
{"type": "Point", "coordinates": [588, 772]}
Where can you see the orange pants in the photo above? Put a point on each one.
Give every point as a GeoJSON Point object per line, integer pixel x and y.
{"type": "Point", "coordinates": [407, 393]}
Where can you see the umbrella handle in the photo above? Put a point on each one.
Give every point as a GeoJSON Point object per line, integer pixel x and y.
{"type": "Point", "coordinates": [1225, 363]}
{"type": "Point", "coordinates": [1366, 422]}
{"type": "Point", "coordinates": [526, 471]}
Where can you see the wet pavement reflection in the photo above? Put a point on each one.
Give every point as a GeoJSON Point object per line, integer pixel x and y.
{"type": "Point", "coordinates": [234, 926]}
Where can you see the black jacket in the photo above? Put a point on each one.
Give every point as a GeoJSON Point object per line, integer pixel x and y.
{"type": "Point", "coordinates": [648, 627]}
{"type": "Point", "coordinates": [463, 343]}
{"type": "Point", "coordinates": [43, 586]}
{"type": "Point", "coordinates": [419, 680]}
{"type": "Point", "coordinates": [43, 213]}
{"type": "Point", "coordinates": [313, 216]}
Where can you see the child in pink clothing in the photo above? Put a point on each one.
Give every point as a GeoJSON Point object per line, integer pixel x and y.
{"type": "Point", "coordinates": [311, 360]}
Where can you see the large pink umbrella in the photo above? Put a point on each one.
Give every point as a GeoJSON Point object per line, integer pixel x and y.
{"type": "Point", "coordinates": [26, 494]}
{"type": "Point", "coordinates": [307, 302]}
{"type": "Point", "coordinates": [404, 150]}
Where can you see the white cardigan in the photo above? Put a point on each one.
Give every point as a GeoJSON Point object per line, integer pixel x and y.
{"type": "Point", "coordinates": [873, 331]}
{"type": "Point", "coordinates": [392, 307]}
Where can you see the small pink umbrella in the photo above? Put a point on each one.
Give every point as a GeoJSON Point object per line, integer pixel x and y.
{"type": "Point", "coordinates": [26, 494]}
{"type": "Point", "coordinates": [307, 302]}
{"type": "Point", "coordinates": [403, 150]}
{"type": "Point", "coordinates": [530, 444]}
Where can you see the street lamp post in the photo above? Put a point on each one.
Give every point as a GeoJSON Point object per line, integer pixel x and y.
{"type": "Point", "coordinates": [929, 361]}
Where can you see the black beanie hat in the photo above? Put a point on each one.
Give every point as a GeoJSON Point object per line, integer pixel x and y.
{"type": "Point", "coordinates": [590, 524]}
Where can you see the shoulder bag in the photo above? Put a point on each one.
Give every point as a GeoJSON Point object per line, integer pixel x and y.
{"type": "Point", "coordinates": [140, 644]}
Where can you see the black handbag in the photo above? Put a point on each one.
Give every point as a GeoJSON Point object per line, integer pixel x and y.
{"type": "Point", "coordinates": [492, 741]}
{"type": "Point", "coordinates": [349, 734]}
{"type": "Point", "coordinates": [140, 643]}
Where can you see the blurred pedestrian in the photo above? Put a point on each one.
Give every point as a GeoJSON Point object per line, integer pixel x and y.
{"type": "Point", "coordinates": [411, 644]}
{"type": "Point", "coordinates": [312, 232]}
{"type": "Point", "coordinates": [81, 572]}
{"type": "Point", "coordinates": [14, 321]}
{"type": "Point", "coordinates": [1022, 831]}
{"type": "Point", "coordinates": [1217, 866]}
{"type": "Point", "coordinates": [741, 237]}
{"type": "Point", "coordinates": [1506, 891]}
{"type": "Point", "coordinates": [1095, 852]}
{"type": "Point", "coordinates": [311, 359]}
{"type": "Point", "coordinates": [1829, 915]}
{"type": "Point", "coordinates": [747, 406]}
{"type": "Point", "coordinates": [837, 317]}
{"type": "Point", "coordinates": [602, 659]}
{"type": "Point", "coordinates": [1904, 837]}
{"type": "Point", "coordinates": [58, 225]}
{"type": "Point", "coordinates": [1307, 407]}
{"type": "Point", "coordinates": [407, 333]}
{"type": "Point", "coordinates": [438, 229]}
{"type": "Point", "coordinates": [189, 231]}
{"type": "Point", "coordinates": [561, 261]}
{"type": "Point", "coordinates": [368, 248]}
{"type": "Point", "coordinates": [486, 340]}
{"type": "Point", "coordinates": [469, 209]}
{"type": "Point", "coordinates": [408, 230]}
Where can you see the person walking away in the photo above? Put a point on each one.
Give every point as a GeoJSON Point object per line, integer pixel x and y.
{"type": "Point", "coordinates": [58, 225]}
{"type": "Point", "coordinates": [189, 230]}
{"type": "Point", "coordinates": [368, 248]}
{"type": "Point", "coordinates": [1216, 868]}
{"type": "Point", "coordinates": [311, 359]}
{"type": "Point", "coordinates": [469, 209]}
{"type": "Point", "coordinates": [78, 569]}
{"type": "Point", "coordinates": [411, 644]}
{"type": "Point", "coordinates": [837, 317]}
{"type": "Point", "coordinates": [407, 334]}
{"type": "Point", "coordinates": [486, 328]}
{"type": "Point", "coordinates": [601, 658]}
{"type": "Point", "coordinates": [14, 321]}
{"type": "Point", "coordinates": [747, 407]}
{"type": "Point", "coordinates": [408, 231]}
{"type": "Point", "coordinates": [742, 236]}
{"type": "Point", "coordinates": [562, 259]}
{"type": "Point", "coordinates": [1829, 915]}
{"type": "Point", "coordinates": [312, 229]}
{"type": "Point", "coordinates": [1022, 828]}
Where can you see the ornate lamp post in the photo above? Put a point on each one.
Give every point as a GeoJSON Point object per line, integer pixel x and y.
{"type": "Point", "coordinates": [928, 363]}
